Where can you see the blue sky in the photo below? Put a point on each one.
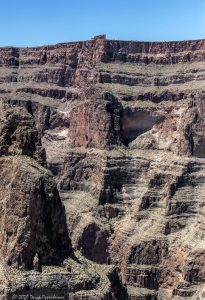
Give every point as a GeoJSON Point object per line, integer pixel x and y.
{"type": "Point", "coordinates": [43, 22]}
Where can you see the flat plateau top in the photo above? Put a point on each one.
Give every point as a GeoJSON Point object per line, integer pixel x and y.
{"type": "Point", "coordinates": [125, 42]}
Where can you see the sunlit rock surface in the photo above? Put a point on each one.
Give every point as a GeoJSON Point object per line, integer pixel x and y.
{"type": "Point", "coordinates": [122, 124]}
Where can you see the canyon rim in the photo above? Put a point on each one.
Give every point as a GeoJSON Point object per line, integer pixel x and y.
{"type": "Point", "coordinates": [102, 154]}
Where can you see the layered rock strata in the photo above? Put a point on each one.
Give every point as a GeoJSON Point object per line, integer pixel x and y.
{"type": "Point", "coordinates": [122, 124]}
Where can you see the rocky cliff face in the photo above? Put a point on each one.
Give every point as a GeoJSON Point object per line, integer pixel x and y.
{"type": "Point", "coordinates": [122, 124]}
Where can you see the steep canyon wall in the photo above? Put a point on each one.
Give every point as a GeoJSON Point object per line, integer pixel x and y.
{"type": "Point", "coordinates": [122, 124]}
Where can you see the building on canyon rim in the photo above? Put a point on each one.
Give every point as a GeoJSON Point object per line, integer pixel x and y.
{"type": "Point", "coordinates": [102, 147]}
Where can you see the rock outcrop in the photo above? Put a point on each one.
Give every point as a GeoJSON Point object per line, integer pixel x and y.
{"type": "Point", "coordinates": [123, 128]}
{"type": "Point", "coordinates": [32, 216]}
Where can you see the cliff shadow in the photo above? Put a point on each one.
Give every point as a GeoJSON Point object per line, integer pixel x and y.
{"type": "Point", "coordinates": [135, 122]}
